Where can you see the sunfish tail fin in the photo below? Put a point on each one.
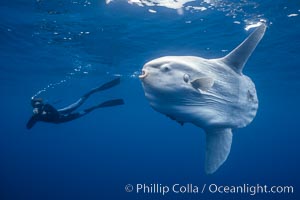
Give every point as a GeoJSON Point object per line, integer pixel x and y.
{"type": "Point", "coordinates": [237, 58]}
{"type": "Point", "coordinates": [218, 144]}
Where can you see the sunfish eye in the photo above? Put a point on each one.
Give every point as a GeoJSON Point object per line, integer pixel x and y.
{"type": "Point", "coordinates": [186, 78]}
{"type": "Point", "coordinates": [165, 67]}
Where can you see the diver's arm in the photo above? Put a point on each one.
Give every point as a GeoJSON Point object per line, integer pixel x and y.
{"type": "Point", "coordinates": [31, 122]}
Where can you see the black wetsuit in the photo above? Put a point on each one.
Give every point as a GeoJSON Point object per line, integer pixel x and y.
{"type": "Point", "coordinates": [47, 113]}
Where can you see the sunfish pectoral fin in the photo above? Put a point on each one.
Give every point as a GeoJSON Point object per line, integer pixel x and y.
{"type": "Point", "coordinates": [237, 58]}
{"type": "Point", "coordinates": [218, 144]}
{"type": "Point", "coordinates": [203, 83]}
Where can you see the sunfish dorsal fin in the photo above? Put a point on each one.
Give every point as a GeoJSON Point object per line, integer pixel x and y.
{"type": "Point", "coordinates": [218, 144]}
{"type": "Point", "coordinates": [237, 58]}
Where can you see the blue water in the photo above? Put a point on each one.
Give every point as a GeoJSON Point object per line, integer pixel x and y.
{"type": "Point", "coordinates": [58, 50]}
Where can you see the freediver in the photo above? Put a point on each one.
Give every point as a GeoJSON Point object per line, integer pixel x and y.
{"type": "Point", "coordinates": [47, 113]}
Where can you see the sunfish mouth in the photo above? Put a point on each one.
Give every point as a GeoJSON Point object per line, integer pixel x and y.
{"type": "Point", "coordinates": [144, 74]}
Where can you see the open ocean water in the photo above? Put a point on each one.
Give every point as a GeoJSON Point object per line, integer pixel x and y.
{"type": "Point", "coordinates": [60, 49]}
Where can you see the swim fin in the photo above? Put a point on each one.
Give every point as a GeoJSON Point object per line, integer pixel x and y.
{"type": "Point", "coordinates": [105, 86]}
{"type": "Point", "coordinates": [108, 85]}
{"type": "Point", "coordinates": [114, 102]}
{"type": "Point", "coordinates": [110, 103]}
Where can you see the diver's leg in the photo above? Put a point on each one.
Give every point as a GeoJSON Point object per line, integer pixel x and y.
{"type": "Point", "coordinates": [110, 103]}
{"type": "Point", "coordinates": [79, 102]}
{"type": "Point", "coordinates": [72, 116]}
{"type": "Point", "coordinates": [73, 106]}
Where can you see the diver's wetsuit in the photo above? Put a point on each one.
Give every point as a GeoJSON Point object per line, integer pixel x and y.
{"type": "Point", "coordinates": [48, 113]}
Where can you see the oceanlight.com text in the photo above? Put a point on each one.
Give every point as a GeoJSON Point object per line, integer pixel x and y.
{"type": "Point", "coordinates": [163, 189]}
{"type": "Point", "coordinates": [250, 189]}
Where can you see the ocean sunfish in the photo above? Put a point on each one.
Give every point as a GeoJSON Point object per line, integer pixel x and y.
{"type": "Point", "coordinates": [212, 94]}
